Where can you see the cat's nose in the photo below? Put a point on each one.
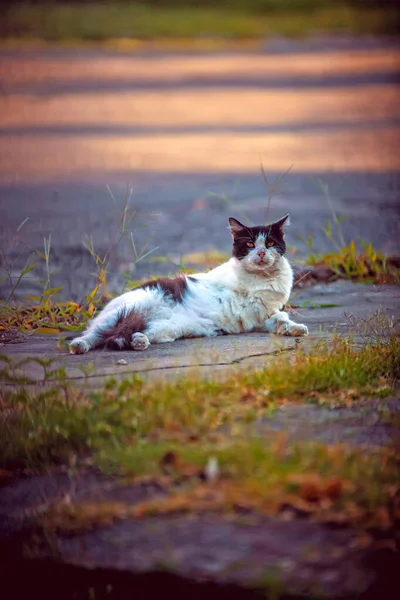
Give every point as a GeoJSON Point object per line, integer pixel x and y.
{"type": "Point", "coordinates": [261, 252]}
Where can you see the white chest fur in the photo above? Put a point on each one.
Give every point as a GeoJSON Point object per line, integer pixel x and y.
{"type": "Point", "coordinates": [238, 301]}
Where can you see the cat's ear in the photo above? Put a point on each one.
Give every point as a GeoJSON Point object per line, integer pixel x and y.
{"type": "Point", "coordinates": [282, 224]}
{"type": "Point", "coordinates": [236, 227]}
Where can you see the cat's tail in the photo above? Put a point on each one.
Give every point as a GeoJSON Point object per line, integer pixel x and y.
{"type": "Point", "coordinates": [120, 334]}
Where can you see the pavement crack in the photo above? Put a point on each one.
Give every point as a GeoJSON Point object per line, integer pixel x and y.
{"type": "Point", "coordinates": [273, 353]}
{"type": "Point", "coordinates": [211, 364]}
{"type": "Point", "coordinates": [164, 368]}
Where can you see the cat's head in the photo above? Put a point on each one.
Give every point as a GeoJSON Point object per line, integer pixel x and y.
{"type": "Point", "coordinates": [258, 248]}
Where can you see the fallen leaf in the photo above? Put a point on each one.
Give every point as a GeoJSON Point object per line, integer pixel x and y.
{"type": "Point", "coordinates": [310, 491]}
{"type": "Point", "coordinates": [169, 460]}
{"type": "Point", "coordinates": [333, 488]}
{"type": "Point", "coordinates": [47, 330]}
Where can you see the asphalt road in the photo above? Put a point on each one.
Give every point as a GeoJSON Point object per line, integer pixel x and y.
{"type": "Point", "coordinates": [187, 132]}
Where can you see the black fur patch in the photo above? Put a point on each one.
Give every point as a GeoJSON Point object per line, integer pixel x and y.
{"type": "Point", "coordinates": [175, 287]}
{"type": "Point", "coordinates": [243, 234]}
{"type": "Point", "coordinates": [127, 324]}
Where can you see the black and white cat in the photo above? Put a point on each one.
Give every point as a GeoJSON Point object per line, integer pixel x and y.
{"type": "Point", "coordinates": [244, 294]}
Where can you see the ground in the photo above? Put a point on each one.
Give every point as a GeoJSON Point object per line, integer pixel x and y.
{"type": "Point", "coordinates": [188, 131]}
{"type": "Point", "coordinates": [323, 308]}
{"type": "Point", "coordinates": [241, 551]}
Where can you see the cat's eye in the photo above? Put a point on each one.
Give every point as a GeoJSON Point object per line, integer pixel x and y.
{"type": "Point", "coordinates": [270, 244]}
{"type": "Point", "coordinates": [250, 245]}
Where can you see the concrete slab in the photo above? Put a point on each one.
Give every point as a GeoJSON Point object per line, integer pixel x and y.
{"type": "Point", "coordinates": [325, 309]}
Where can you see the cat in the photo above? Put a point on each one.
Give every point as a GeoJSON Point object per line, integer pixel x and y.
{"type": "Point", "coordinates": [245, 294]}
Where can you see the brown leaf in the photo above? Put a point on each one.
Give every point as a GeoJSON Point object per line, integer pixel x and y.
{"type": "Point", "coordinates": [311, 486]}
{"type": "Point", "coordinates": [333, 488]}
{"type": "Point", "coordinates": [310, 491]}
{"type": "Point", "coordinates": [169, 460]}
{"type": "Point", "coordinates": [47, 330]}
{"type": "Point", "coordinates": [248, 395]}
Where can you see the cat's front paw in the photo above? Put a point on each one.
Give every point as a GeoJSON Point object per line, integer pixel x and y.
{"type": "Point", "coordinates": [79, 346]}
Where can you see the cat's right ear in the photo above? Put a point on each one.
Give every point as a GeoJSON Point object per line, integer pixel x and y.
{"type": "Point", "coordinates": [236, 227]}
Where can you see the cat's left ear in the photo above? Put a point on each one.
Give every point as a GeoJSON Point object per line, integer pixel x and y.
{"type": "Point", "coordinates": [282, 224]}
{"type": "Point", "coordinates": [236, 227]}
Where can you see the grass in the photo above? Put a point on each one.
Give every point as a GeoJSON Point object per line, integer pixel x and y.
{"type": "Point", "coordinates": [44, 313]}
{"type": "Point", "coordinates": [348, 260]}
{"type": "Point", "coordinates": [334, 498]}
{"type": "Point", "coordinates": [207, 441]}
{"type": "Point", "coordinates": [102, 21]}
{"type": "Point", "coordinates": [49, 421]}
{"type": "Point", "coordinates": [367, 266]}
{"type": "Point", "coordinates": [195, 433]}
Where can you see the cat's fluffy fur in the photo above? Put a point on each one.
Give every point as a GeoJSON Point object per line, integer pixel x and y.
{"type": "Point", "coordinates": [247, 293]}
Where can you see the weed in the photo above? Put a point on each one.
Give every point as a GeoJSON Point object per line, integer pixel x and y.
{"type": "Point", "coordinates": [121, 231]}
{"type": "Point", "coordinates": [147, 418]}
{"type": "Point", "coordinates": [175, 431]}
{"type": "Point", "coordinates": [367, 265]}
{"type": "Point", "coordinates": [44, 313]}
{"type": "Point", "coordinates": [8, 269]}
{"type": "Point", "coordinates": [273, 188]}
{"type": "Point", "coordinates": [330, 484]}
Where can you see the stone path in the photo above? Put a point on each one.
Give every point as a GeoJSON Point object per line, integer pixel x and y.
{"type": "Point", "coordinates": [323, 308]}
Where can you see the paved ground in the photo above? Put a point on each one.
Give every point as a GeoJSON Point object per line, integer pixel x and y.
{"type": "Point", "coordinates": [196, 554]}
{"type": "Point", "coordinates": [211, 357]}
{"type": "Point", "coordinates": [177, 126]}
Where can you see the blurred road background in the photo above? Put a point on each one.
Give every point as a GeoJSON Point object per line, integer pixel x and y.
{"type": "Point", "coordinates": [187, 131]}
